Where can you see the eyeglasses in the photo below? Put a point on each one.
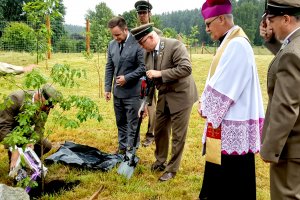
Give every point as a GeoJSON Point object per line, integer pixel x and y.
{"type": "Point", "coordinates": [142, 12]}
{"type": "Point", "coordinates": [207, 24]}
{"type": "Point", "coordinates": [272, 17]}
{"type": "Point", "coordinates": [143, 42]}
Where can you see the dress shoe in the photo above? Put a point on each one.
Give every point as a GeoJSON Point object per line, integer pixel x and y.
{"type": "Point", "coordinates": [157, 167]}
{"type": "Point", "coordinates": [167, 176]}
{"type": "Point", "coordinates": [148, 141]}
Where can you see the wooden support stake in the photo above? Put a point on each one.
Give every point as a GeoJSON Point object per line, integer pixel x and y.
{"type": "Point", "coordinates": [48, 36]}
{"type": "Point", "coordinates": [88, 37]}
{"type": "Point", "coordinates": [96, 194]}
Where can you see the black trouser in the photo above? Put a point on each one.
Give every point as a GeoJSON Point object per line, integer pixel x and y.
{"type": "Point", "coordinates": [233, 180]}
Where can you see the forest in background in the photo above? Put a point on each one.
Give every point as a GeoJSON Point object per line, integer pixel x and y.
{"type": "Point", "coordinates": [188, 24]}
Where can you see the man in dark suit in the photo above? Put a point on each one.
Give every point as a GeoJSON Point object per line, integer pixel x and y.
{"type": "Point", "coordinates": [281, 131]}
{"type": "Point", "coordinates": [124, 68]}
{"type": "Point", "coordinates": [143, 9]}
{"type": "Point", "coordinates": [168, 65]}
{"type": "Point", "coordinates": [20, 102]}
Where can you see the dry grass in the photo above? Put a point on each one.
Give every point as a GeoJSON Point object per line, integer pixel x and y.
{"type": "Point", "coordinates": [103, 135]}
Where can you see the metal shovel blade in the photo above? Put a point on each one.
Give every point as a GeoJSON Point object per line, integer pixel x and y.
{"type": "Point", "coordinates": [127, 167]}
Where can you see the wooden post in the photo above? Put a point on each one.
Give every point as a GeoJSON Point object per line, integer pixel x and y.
{"type": "Point", "coordinates": [88, 37]}
{"type": "Point", "coordinates": [49, 36]}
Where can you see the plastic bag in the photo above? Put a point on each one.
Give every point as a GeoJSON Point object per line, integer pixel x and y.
{"type": "Point", "coordinates": [83, 156]}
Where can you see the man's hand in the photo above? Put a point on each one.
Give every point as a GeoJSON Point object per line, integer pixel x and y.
{"type": "Point", "coordinates": [145, 114]}
{"type": "Point", "coordinates": [30, 146]}
{"type": "Point", "coordinates": [199, 110]}
{"type": "Point", "coordinates": [153, 74]}
{"type": "Point", "coordinates": [107, 96]}
{"type": "Point", "coordinates": [265, 30]}
{"type": "Point", "coordinates": [120, 80]}
{"type": "Point", "coordinates": [29, 68]}
{"type": "Point", "coordinates": [144, 108]}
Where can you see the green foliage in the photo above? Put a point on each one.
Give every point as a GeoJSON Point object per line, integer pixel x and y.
{"type": "Point", "coordinates": [86, 109]}
{"type": "Point", "coordinates": [57, 20]}
{"type": "Point", "coordinates": [194, 35]}
{"type": "Point", "coordinates": [131, 19]}
{"type": "Point", "coordinates": [36, 12]}
{"type": "Point", "coordinates": [24, 133]}
{"type": "Point", "coordinates": [169, 33]}
{"type": "Point", "coordinates": [247, 14]}
{"type": "Point", "coordinates": [157, 22]}
{"type": "Point", "coordinates": [103, 136]}
{"type": "Point", "coordinates": [18, 36]}
{"type": "Point", "coordinates": [11, 10]}
{"type": "Point", "coordinates": [34, 80]}
{"type": "Point", "coordinates": [65, 45]}
{"type": "Point", "coordinates": [65, 76]}
{"type": "Point", "coordinates": [27, 182]}
{"type": "Point", "coordinates": [71, 29]}
{"type": "Point", "coordinates": [31, 118]}
{"type": "Point", "coordinates": [9, 83]}
{"type": "Point", "coordinates": [100, 35]}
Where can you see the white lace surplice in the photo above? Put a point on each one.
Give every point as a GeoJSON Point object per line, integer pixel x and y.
{"type": "Point", "coordinates": [232, 98]}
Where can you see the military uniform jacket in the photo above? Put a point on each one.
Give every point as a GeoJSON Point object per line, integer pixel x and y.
{"type": "Point", "coordinates": [8, 116]}
{"type": "Point", "coordinates": [130, 64]}
{"type": "Point", "coordinates": [281, 131]}
{"type": "Point", "coordinates": [176, 86]}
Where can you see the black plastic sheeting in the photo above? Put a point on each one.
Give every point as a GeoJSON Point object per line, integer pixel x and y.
{"type": "Point", "coordinates": [83, 156]}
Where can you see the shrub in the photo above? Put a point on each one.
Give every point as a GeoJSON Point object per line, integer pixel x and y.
{"type": "Point", "coordinates": [18, 36]}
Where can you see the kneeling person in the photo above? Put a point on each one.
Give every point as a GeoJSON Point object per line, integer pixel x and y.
{"type": "Point", "coordinates": [16, 104]}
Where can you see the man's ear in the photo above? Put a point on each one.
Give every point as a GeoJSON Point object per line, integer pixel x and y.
{"type": "Point", "coordinates": [287, 19]}
{"type": "Point", "coordinates": [151, 36]}
{"type": "Point", "coordinates": [149, 14]}
{"type": "Point", "coordinates": [222, 19]}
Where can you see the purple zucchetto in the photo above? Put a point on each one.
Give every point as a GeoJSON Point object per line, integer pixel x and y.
{"type": "Point", "coordinates": [213, 8]}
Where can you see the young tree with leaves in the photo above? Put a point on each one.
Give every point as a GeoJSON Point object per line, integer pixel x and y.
{"type": "Point", "coordinates": [30, 109]}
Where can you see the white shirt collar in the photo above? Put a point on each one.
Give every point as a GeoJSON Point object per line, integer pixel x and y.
{"type": "Point", "coordinates": [286, 40]}
{"type": "Point", "coordinates": [127, 37]}
{"type": "Point", "coordinates": [157, 45]}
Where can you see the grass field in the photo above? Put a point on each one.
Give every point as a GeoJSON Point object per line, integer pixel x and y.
{"type": "Point", "coordinates": [144, 184]}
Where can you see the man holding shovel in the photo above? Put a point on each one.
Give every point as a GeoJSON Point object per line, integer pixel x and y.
{"type": "Point", "coordinates": [168, 65]}
{"type": "Point", "coordinates": [143, 9]}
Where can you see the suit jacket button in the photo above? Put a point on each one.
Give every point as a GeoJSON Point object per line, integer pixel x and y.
{"type": "Point", "coordinates": [276, 155]}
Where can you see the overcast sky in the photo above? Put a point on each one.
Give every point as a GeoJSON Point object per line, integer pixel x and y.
{"type": "Point", "coordinates": [77, 9]}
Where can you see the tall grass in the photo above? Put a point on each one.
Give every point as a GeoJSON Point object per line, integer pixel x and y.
{"type": "Point", "coordinates": [144, 183]}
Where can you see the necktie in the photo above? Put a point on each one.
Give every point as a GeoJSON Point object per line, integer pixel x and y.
{"type": "Point", "coordinates": [121, 46]}
{"type": "Point", "coordinates": [154, 59]}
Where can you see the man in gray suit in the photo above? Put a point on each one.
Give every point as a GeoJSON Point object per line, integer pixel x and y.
{"type": "Point", "coordinates": [124, 68]}
{"type": "Point", "coordinates": [169, 66]}
{"type": "Point", "coordinates": [281, 131]}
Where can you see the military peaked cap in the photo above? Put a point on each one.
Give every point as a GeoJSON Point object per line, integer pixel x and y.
{"type": "Point", "coordinates": [143, 6]}
{"type": "Point", "coordinates": [142, 31]}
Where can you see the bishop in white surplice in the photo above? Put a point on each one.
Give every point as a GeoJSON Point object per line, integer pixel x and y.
{"type": "Point", "coordinates": [232, 98]}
